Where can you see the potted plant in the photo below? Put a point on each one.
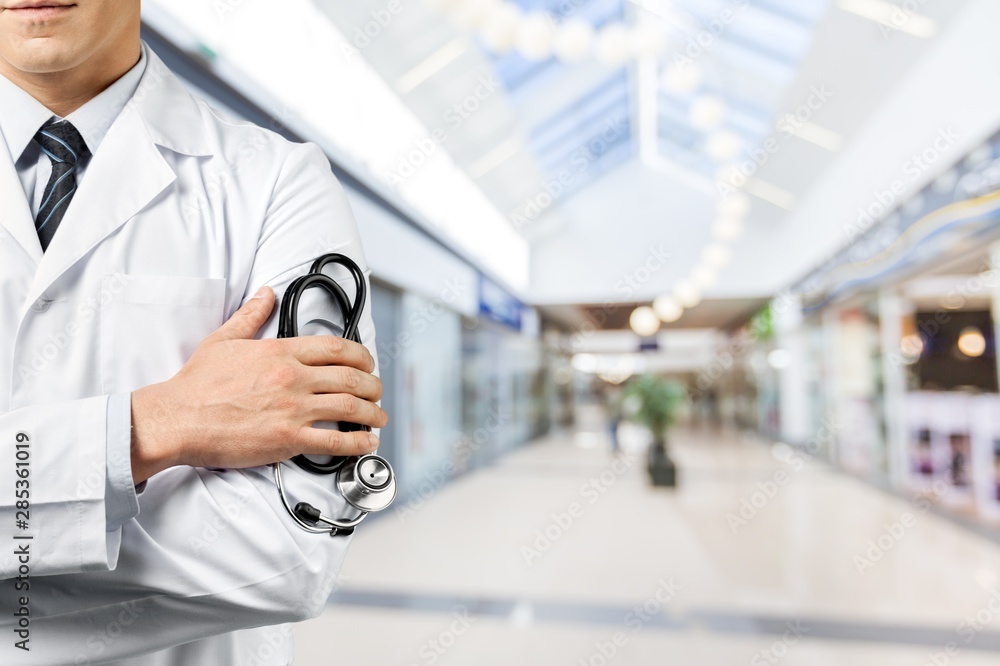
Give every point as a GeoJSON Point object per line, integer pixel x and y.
{"type": "Point", "coordinates": [657, 402]}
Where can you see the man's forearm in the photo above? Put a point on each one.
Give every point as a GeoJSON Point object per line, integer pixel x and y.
{"type": "Point", "coordinates": [154, 433]}
{"type": "Point", "coordinates": [240, 402]}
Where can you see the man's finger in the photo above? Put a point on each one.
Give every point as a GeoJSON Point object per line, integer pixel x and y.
{"type": "Point", "coordinates": [320, 442]}
{"type": "Point", "coordinates": [344, 379]}
{"type": "Point", "coordinates": [330, 350]}
{"type": "Point", "coordinates": [345, 407]}
{"type": "Point", "coordinates": [246, 321]}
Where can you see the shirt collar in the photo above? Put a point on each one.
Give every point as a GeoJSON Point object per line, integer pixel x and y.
{"type": "Point", "coordinates": [94, 119]}
{"type": "Point", "coordinates": [22, 115]}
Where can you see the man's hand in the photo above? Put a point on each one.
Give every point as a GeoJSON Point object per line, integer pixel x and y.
{"type": "Point", "coordinates": [240, 402]}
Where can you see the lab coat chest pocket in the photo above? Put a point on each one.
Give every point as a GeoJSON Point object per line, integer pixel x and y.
{"type": "Point", "coordinates": [151, 324]}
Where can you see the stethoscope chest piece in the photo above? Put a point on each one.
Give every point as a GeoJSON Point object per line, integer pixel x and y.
{"type": "Point", "coordinates": [367, 483]}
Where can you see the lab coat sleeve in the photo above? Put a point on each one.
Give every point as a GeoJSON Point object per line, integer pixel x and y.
{"type": "Point", "coordinates": [52, 489]}
{"type": "Point", "coordinates": [214, 551]}
{"type": "Point", "coordinates": [120, 500]}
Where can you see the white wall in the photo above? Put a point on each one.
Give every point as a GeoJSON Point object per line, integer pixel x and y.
{"type": "Point", "coordinates": [608, 252]}
{"type": "Point", "coordinates": [406, 258]}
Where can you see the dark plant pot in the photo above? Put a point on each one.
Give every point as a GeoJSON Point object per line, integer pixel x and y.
{"type": "Point", "coordinates": [662, 471]}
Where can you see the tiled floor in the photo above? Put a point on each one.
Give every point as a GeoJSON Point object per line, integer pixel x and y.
{"type": "Point", "coordinates": [555, 555]}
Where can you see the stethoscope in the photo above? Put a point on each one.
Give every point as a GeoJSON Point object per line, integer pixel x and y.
{"type": "Point", "coordinates": [366, 482]}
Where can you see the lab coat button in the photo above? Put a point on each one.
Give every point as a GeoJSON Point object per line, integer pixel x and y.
{"type": "Point", "coordinates": [41, 305]}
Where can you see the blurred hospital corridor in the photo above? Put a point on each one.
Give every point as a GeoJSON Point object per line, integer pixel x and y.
{"type": "Point", "coordinates": [654, 332]}
{"type": "Point", "coordinates": [560, 553]}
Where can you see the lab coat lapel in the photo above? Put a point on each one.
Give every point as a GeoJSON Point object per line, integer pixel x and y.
{"type": "Point", "coordinates": [125, 174]}
{"type": "Point", "coordinates": [128, 171]}
{"type": "Point", "coordinates": [15, 215]}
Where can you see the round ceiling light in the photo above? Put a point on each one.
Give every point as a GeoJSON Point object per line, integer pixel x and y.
{"type": "Point", "coordinates": [971, 342]}
{"type": "Point", "coordinates": [682, 78]}
{"type": "Point", "coordinates": [644, 321]}
{"type": "Point", "coordinates": [716, 255]}
{"type": "Point", "coordinates": [500, 29]}
{"type": "Point", "coordinates": [724, 146]}
{"type": "Point", "coordinates": [707, 112]}
{"type": "Point", "coordinates": [573, 40]}
{"type": "Point", "coordinates": [705, 277]}
{"type": "Point", "coordinates": [534, 37]}
{"type": "Point", "coordinates": [667, 308]}
{"type": "Point", "coordinates": [735, 205]}
{"type": "Point", "coordinates": [612, 47]}
{"type": "Point", "coordinates": [687, 293]}
{"type": "Point", "coordinates": [728, 228]}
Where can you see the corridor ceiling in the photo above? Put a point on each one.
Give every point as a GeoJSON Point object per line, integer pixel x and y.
{"type": "Point", "coordinates": [515, 124]}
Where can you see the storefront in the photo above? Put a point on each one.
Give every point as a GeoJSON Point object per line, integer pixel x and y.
{"type": "Point", "coordinates": [887, 352]}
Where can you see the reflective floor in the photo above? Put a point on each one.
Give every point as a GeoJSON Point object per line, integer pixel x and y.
{"type": "Point", "coordinates": [561, 553]}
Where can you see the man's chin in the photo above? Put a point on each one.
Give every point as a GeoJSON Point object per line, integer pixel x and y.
{"type": "Point", "coordinates": [40, 55]}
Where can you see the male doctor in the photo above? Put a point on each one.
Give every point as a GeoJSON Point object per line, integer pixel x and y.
{"type": "Point", "coordinates": [142, 239]}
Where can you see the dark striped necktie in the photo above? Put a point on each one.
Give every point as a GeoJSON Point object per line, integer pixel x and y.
{"type": "Point", "coordinates": [65, 147]}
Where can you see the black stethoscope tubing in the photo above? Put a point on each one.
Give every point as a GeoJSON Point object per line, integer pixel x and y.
{"type": "Point", "coordinates": [358, 492]}
{"type": "Point", "coordinates": [288, 326]}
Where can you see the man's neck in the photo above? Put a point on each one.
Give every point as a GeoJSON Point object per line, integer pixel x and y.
{"type": "Point", "coordinates": [64, 92]}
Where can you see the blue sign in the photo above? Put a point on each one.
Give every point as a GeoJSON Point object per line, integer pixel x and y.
{"type": "Point", "coordinates": [497, 304]}
{"type": "Point", "coordinates": [649, 345]}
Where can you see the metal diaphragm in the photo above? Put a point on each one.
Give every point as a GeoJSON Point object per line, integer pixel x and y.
{"type": "Point", "coordinates": [367, 483]}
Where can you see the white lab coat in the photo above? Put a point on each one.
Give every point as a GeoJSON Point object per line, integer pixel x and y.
{"type": "Point", "coordinates": [182, 216]}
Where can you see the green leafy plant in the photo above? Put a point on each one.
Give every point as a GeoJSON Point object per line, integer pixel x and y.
{"type": "Point", "coordinates": [659, 401]}
{"type": "Point", "coordinates": [761, 325]}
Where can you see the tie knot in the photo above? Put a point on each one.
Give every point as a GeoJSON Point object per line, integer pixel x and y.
{"type": "Point", "coordinates": [61, 142]}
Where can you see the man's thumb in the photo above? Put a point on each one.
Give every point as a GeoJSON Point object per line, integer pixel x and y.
{"type": "Point", "coordinates": [246, 321]}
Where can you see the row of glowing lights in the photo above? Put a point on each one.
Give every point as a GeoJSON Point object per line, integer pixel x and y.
{"type": "Point", "coordinates": [504, 27]}
{"type": "Point", "coordinates": [535, 35]}
{"type": "Point", "coordinates": [618, 369]}
{"type": "Point", "coordinates": [706, 113]}
{"type": "Point", "coordinates": [614, 369]}
{"type": "Point", "coordinates": [971, 343]}
{"type": "Point", "coordinates": [687, 293]}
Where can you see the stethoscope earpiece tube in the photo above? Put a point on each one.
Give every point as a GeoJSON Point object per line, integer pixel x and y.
{"type": "Point", "coordinates": [367, 482]}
